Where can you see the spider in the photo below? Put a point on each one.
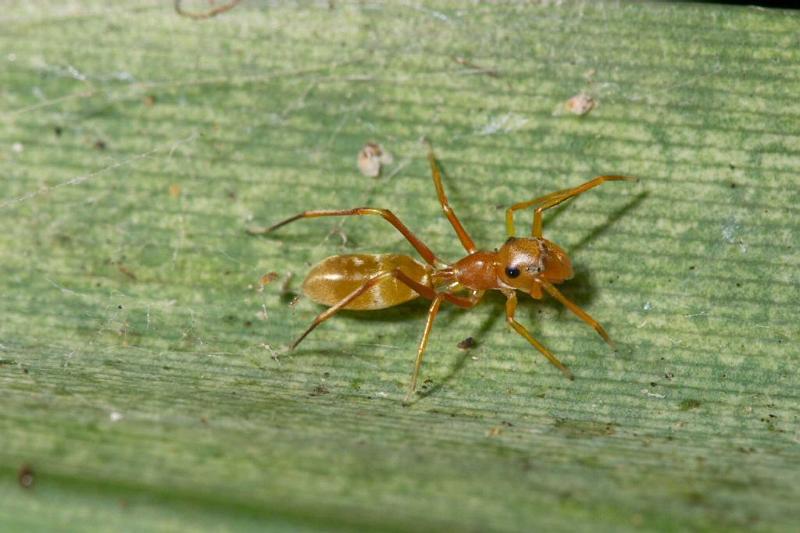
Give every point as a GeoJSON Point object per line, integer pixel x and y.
{"type": "Point", "coordinates": [367, 282]}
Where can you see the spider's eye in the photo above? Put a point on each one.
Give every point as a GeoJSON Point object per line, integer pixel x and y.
{"type": "Point", "coordinates": [512, 272]}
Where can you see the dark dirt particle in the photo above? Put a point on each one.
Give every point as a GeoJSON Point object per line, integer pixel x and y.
{"type": "Point", "coordinates": [58, 130]}
{"type": "Point", "coordinates": [584, 428]}
{"type": "Point", "coordinates": [689, 404]}
{"type": "Point", "coordinates": [100, 144]}
{"type": "Point", "coordinates": [26, 476]}
{"type": "Point", "coordinates": [467, 344]}
{"type": "Point", "coordinates": [695, 498]}
{"type": "Point", "coordinates": [319, 390]}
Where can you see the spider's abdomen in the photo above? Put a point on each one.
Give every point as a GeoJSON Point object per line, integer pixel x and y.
{"type": "Point", "coordinates": [336, 277]}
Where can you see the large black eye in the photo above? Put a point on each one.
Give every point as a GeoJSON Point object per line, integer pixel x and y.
{"type": "Point", "coordinates": [512, 272]}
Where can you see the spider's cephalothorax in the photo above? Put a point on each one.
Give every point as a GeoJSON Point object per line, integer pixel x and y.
{"type": "Point", "coordinates": [520, 264]}
{"type": "Point", "coordinates": [533, 265]}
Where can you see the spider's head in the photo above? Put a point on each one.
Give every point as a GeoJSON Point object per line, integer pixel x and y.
{"type": "Point", "coordinates": [523, 261]}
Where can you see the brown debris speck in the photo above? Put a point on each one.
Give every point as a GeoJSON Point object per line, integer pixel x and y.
{"type": "Point", "coordinates": [213, 12]}
{"type": "Point", "coordinates": [580, 104]}
{"type": "Point", "coordinates": [266, 279]}
{"type": "Point", "coordinates": [175, 190]}
{"type": "Point", "coordinates": [25, 476]}
{"type": "Point", "coordinates": [467, 344]}
{"type": "Point", "coordinates": [125, 270]}
{"type": "Point", "coordinates": [494, 431]}
{"type": "Point", "coordinates": [319, 390]}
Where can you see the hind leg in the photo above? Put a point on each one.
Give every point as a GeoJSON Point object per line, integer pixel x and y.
{"type": "Point", "coordinates": [420, 288]}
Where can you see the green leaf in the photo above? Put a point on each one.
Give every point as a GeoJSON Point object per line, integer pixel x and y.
{"type": "Point", "coordinates": [144, 375]}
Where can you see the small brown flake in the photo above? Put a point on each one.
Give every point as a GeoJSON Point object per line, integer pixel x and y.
{"type": "Point", "coordinates": [213, 12]}
{"type": "Point", "coordinates": [467, 344]}
{"type": "Point", "coordinates": [266, 279]}
{"type": "Point", "coordinates": [25, 476]}
{"type": "Point", "coordinates": [127, 271]}
{"type": "Point", "coordinates": [319, 390]}
{"type": "Point", "coordinates": [494, 431]}
{"type": "Point", "coordinates": [580, 104]}
{"type": "Point", "coordinates": [175, 190]}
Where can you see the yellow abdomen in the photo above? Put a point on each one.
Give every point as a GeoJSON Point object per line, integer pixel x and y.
{"type": "Point", "coordinates": [334, 278]}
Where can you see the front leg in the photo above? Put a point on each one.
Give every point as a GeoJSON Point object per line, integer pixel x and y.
{"type": "Point", "coordinates": [583, 315]}
{"type": "Point", "coordinates": [511, 308]}
{"type": "Point", "coordinates": [552, 200]}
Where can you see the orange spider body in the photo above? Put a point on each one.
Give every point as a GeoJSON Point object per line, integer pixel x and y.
{"type": "Point", "coordinates": [533, 265]}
